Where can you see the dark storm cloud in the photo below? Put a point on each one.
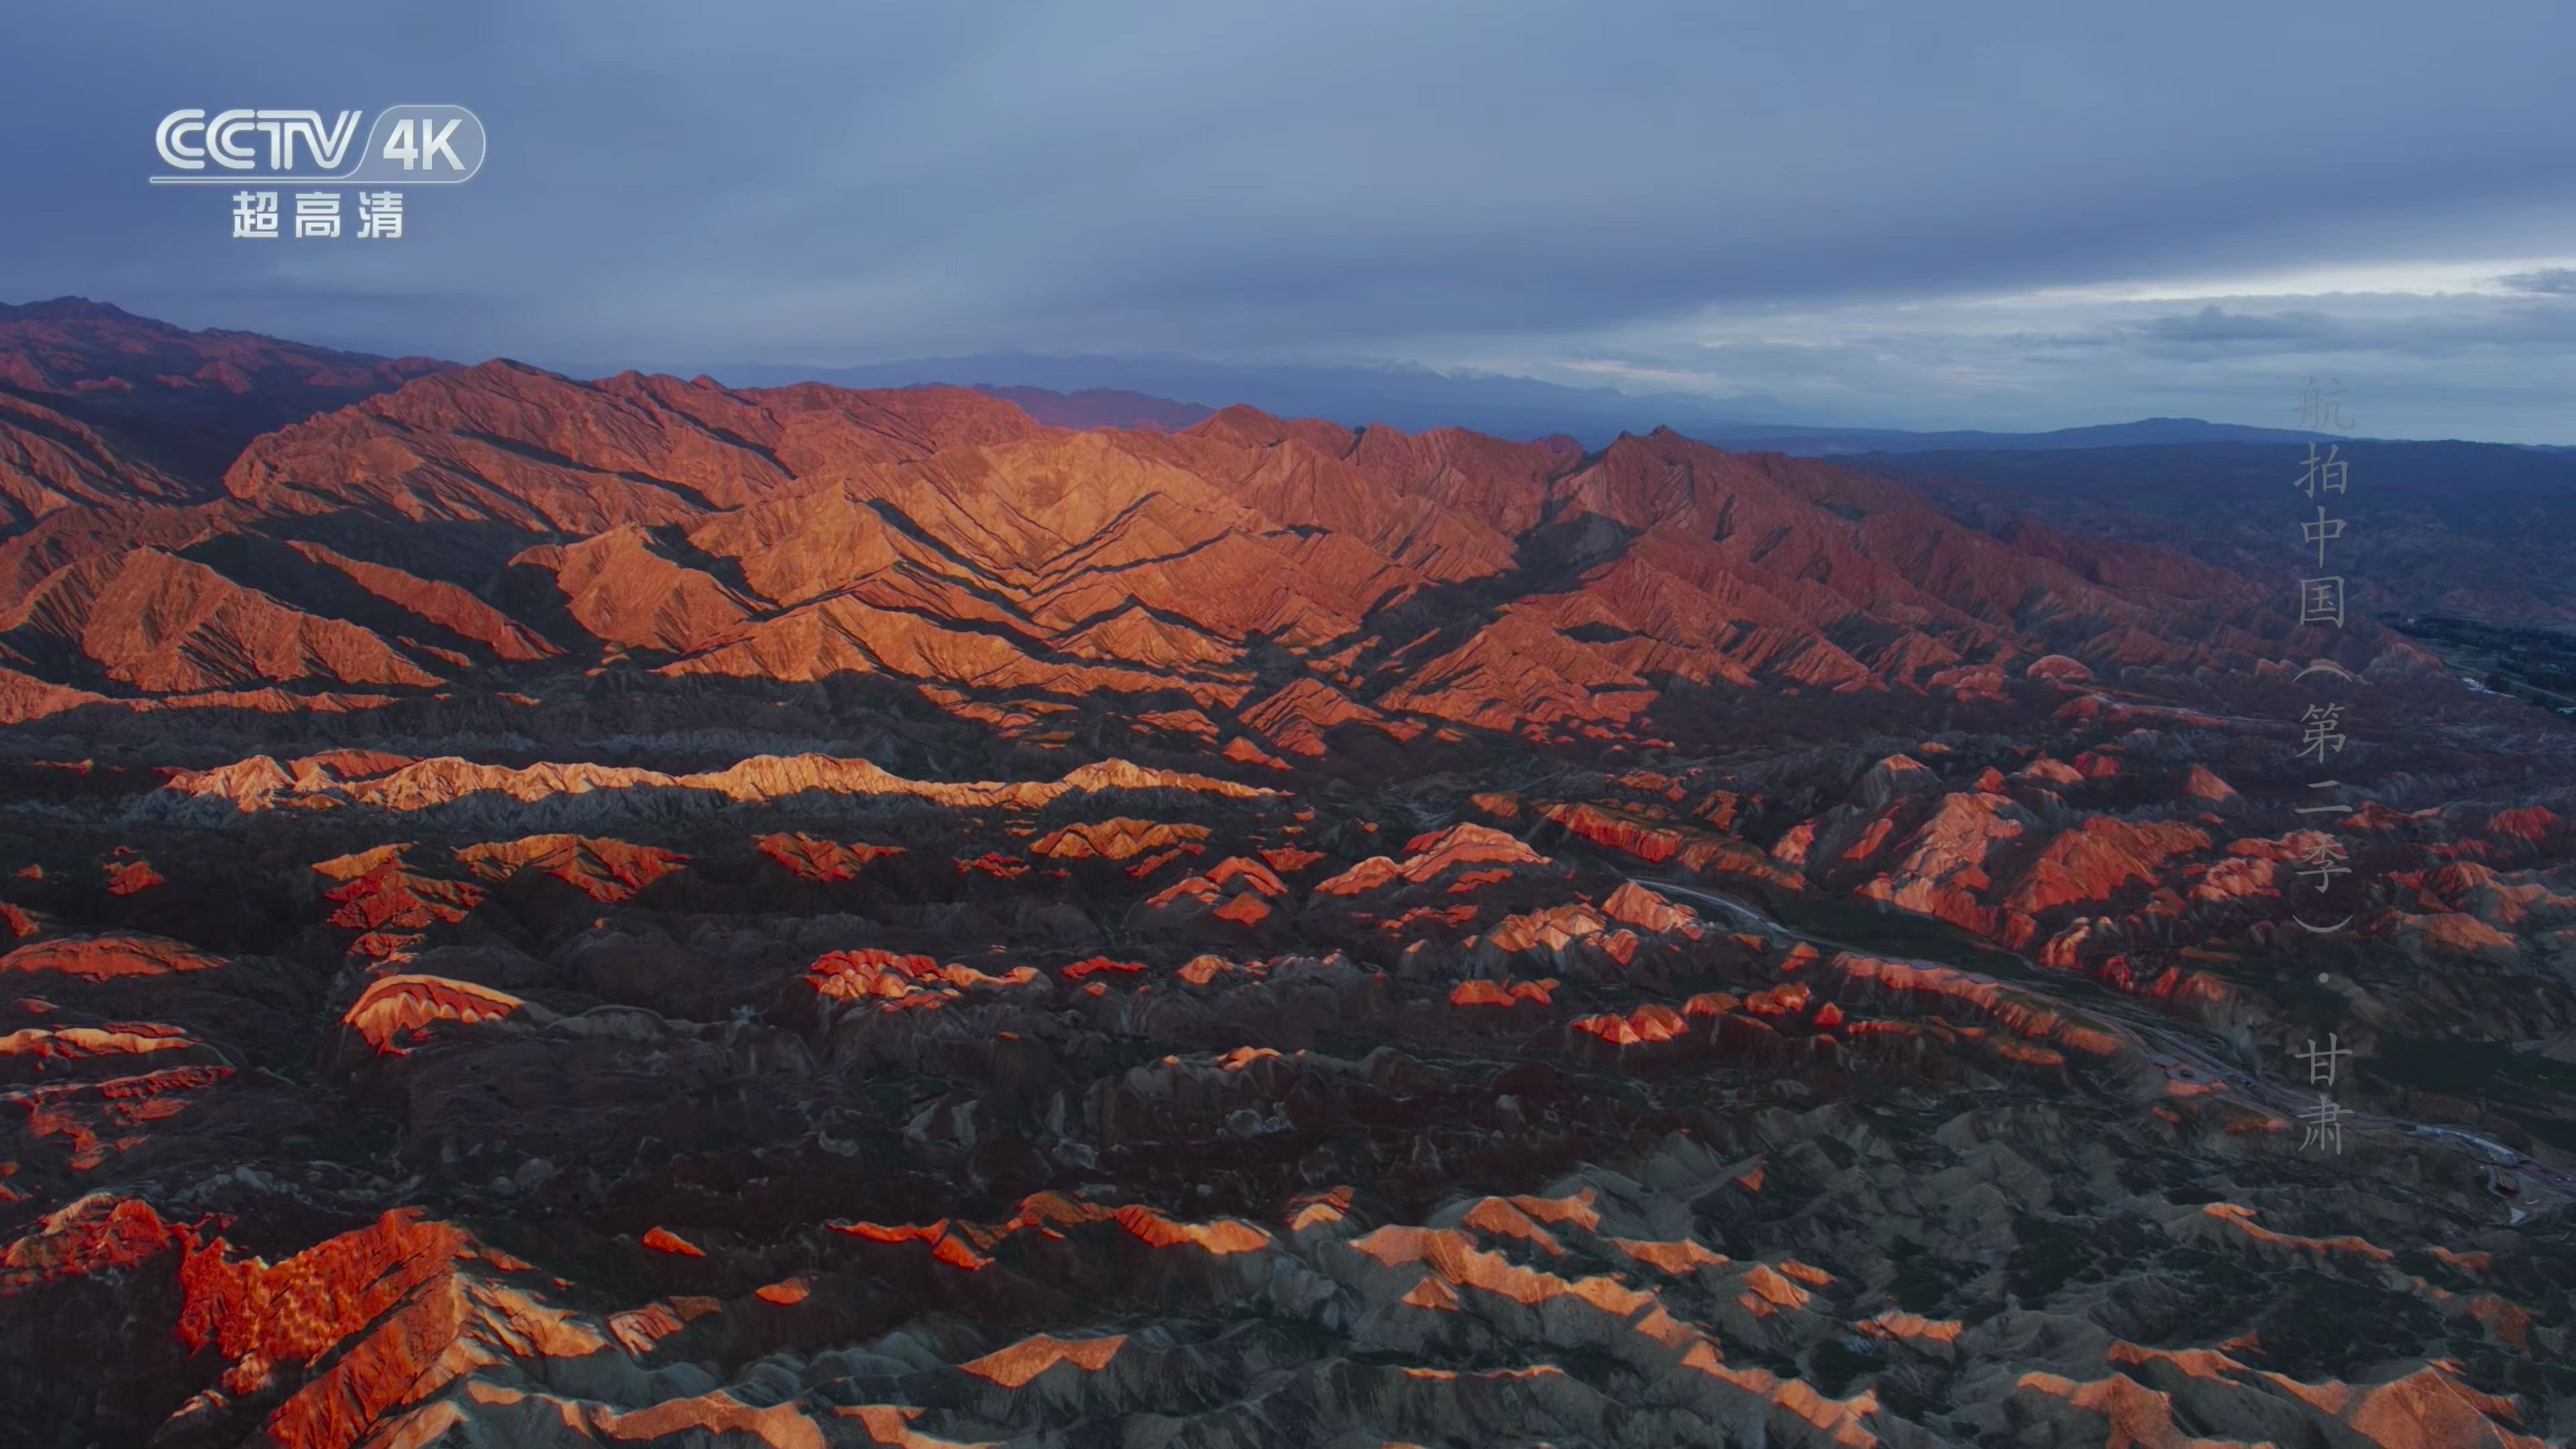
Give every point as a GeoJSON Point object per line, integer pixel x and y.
{"type": "Point", "coordinates": [835, 183]}
{"type": "Point", "coordinates": [2423, 334]}
{"type": "Point", "coordinates": [2215, 326]}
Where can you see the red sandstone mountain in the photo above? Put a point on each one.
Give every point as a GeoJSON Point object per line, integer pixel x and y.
{"type": "Point", "coordinates": [74, 347]}
{"type": "Point", "coordinates": [89, 378]}
{"type": "Point", "coordinates": [50, 461]}
{"type": "Point", "coordinates": [1314, 577]}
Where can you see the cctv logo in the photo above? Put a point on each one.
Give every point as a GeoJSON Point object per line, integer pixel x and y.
{"type": "Point", "coordinates": [419, 145]}
{"type": "Point", "coordinates": [177, 143]}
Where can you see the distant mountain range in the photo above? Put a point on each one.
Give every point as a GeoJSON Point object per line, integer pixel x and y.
{"type": "Point", "coordinates": [2145, 432]}
{"type": "Point", "coordinates": [422, 528]}
{"type": "Point", "coordinates": [1151, 394]}
{"type": "Point", "coordinates": [100, 408]}
{"type": "Point", "coordinates": [1174, 392]}
{"type": "Point", "coordinates": [2482, 529]}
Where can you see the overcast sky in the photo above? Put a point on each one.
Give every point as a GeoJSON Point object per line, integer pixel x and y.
{"type": "Point", "coordinates": [1912, 215]}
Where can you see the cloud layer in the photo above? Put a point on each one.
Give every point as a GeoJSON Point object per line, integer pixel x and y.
{"type": "Point", "coordinates": [2016, 216]}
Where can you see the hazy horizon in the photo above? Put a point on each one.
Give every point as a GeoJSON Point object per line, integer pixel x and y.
{"type": "Point", "coordinates": [1407, 396]}
{"type": "Point", "coordinates": [1855, 217]}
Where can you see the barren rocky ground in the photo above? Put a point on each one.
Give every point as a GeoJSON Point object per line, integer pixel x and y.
{"type": "Point", "coordinates": [549, 913]}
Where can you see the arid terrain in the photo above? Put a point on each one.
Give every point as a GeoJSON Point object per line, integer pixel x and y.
{"type": "Point", "coordinates": [538, 912]}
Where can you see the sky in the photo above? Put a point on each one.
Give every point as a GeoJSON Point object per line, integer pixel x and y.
{"type": "Point", "coordinates": [1997, 215]}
